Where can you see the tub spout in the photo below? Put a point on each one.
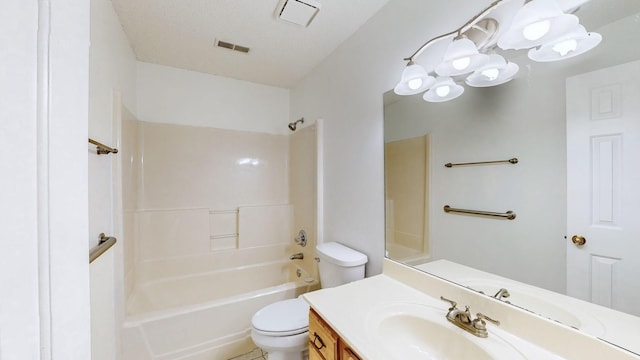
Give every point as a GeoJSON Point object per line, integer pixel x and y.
{"type": "Point", "coordinates": [298, 256]}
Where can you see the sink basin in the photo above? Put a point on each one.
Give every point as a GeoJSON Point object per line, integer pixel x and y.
{"type": "Point", "coordinates": [416, 331]}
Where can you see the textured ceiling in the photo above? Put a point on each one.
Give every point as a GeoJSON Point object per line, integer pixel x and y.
{"type": "Point", "coordinates": [182, 34]}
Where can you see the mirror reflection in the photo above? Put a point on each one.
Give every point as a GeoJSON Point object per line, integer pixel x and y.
{"type": "Point", "coordinates": [573, 126]}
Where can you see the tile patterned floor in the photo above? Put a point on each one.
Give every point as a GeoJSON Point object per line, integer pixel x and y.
{"type": "Point", "coordinates": [255, 354]}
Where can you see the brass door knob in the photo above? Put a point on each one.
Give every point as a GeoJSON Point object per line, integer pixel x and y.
{"type": "Point", "coordinates": [578, 240]}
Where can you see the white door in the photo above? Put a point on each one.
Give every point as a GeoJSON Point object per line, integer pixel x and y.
{"type": "Point", "coordinates": [603, 186]}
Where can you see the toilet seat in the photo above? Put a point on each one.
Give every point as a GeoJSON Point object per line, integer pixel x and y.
{"type": "Point", "coordinates": [282, 318]}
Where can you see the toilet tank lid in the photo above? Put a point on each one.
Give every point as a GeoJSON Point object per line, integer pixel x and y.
{"type": "Point", "coordinates": [340, 254]}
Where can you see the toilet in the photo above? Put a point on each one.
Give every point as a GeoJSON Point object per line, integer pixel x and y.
{"type": "Point", "coordinates": [282, 328]}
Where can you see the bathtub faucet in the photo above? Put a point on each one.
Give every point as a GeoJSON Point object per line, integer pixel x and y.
{"type": "Point", "coordinates": [298, 256]}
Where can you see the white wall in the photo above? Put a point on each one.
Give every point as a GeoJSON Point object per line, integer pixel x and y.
{"type": "Point", "coordinates": [67, 180]}
{"type": "Point", "coordinates": [176, 96]}
{"type": "Point", "coordinates": [112, 69]}
{"type": "Point", "coordinates": [44, 274]}
{"type": "Point", "coordinates": [19, 325]}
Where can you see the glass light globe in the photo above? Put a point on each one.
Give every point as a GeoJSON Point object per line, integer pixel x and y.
{"type": "Point", "coordinates": [414, 79]}
{"type": "Point", "coordinates": [414, 84]}
{"type": "Point", "coordinates": [461, 63]}
{"type": "Point", "coordinates": [443, 91]}
{"type": "Point", "coordinates": [565, 47]}
{"type": "Point", "coordinates": [491, 74]}
{"type": "Point", "coordinates": [576, 42]}
{"type": "Point", "coordinates": [461, 57]}
{"type": "Point", "coordinates": [536, 30]}
{"type": "Point", "coordinates": [497, 71]}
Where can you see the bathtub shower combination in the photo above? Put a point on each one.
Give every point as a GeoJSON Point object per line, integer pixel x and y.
{"type": "Point", "coordinates": [208, 234]}
{"type": "Point", "coordinates": [209, 314]}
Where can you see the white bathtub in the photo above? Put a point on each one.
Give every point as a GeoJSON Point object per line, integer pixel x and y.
{"type": "Point", "coordinates": [405, 254]}
{"type": "Point", "coordinates": [205, 315]}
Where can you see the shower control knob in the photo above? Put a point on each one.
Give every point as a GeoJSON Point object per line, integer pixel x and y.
{"type": "Point", "coordinates": [301, 239]}
{"type": "Point", "coordinates": [579, 240]}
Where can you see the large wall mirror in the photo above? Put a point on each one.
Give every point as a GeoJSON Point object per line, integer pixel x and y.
{"type": "Point", "coordinates": [574, 127]}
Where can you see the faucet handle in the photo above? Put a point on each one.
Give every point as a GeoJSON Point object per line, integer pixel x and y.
{"type": "Point", "coordinates": [479, 322]}
{"type": "Point", "coordinates": [453, 303]}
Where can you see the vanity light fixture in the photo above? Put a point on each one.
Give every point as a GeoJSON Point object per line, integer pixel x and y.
{"type": "Point", "coordinates": [539, 25]}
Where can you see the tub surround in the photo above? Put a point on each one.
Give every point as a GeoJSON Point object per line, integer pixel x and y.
{"type": "Point", "coordinates": [534, 337]}
{"type": "Point", "coordinates": [202, 208]}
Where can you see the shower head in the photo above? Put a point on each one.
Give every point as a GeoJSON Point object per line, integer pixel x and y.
{"type": "Point", "coordinates": [292, 125]}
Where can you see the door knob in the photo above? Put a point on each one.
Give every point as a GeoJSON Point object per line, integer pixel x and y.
{"type": "Point", "coordinates": [578, 240]}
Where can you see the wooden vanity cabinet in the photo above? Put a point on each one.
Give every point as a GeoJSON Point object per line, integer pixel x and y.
{"type": "Point", "coordinates": [324, 342]}
{"type": "Point", "coordinates": [346, 353]}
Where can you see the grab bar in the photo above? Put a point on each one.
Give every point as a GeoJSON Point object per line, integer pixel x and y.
{"type": "Point", "coordinates": [509, 215]}
{"type": "Point", "coordinates": [101, 148]}
{"type": "Point", "coordinates": [103, 245]}
{"type": "Point", "coordinates": [510, 161]}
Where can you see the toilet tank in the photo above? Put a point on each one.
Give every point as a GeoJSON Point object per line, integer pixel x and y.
{"type": "Point", "coordinates": [339, 264]}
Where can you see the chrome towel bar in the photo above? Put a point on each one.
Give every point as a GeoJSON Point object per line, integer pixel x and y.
{"type": "Point", "coordinates": [103, 245]}
{"type": "Point", "coordinates": [509, 215]}
{"type": "Point", "coordinates": [101, 148]}
{"type": "Point", "coordinates": [510, 161]}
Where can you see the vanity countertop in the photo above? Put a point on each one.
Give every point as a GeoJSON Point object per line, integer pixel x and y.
{"type": "Point", "coordinates": [346, 307]}
{"type": "Point", "coordinates": [349, 310]}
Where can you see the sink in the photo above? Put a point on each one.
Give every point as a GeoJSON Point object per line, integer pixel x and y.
{"type": "Point", "coordinates": [417, 331]}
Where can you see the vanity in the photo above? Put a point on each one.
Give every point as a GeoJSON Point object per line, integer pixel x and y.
{"type": "Point", "coordinates": [325, 343]}
{"type": "Point", "coordinates": [400, 315]}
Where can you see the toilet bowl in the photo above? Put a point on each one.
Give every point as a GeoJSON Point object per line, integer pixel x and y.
{"type": "Point", "coordinates": [282, 328]}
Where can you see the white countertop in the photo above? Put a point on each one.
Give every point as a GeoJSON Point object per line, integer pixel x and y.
{"type": "Point", "coordinates": [346, 307]}
{"type": "Point", "coordinates": [349, 308]}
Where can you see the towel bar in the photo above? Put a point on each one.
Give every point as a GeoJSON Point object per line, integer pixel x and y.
{"type": "Point", "coordinates": [509, 215]}
{"type": "Point", "coordinates": [104, 244]}
{"type": "Point", "coordinates": [101, 148]}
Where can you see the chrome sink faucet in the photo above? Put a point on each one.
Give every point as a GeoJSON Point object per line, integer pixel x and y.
{"type": "Point", "coordinates": [465, 321]}
{"type": "Point", "coordinates": [502, 293]}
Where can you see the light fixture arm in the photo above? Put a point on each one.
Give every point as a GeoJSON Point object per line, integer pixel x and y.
{"type": "Point", "coordinates": [458, 31]}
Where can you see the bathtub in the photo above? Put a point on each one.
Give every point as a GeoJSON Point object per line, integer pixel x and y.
{"type": "Point", "coordinates": [205, 315]}
{"type": "Point", "coordinates": [406, 254]}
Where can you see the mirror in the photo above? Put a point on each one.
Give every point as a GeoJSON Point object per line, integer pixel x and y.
{"type": "Point", "coordinates": [524, 119]}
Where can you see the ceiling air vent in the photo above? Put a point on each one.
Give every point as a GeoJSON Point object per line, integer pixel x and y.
{"type": "Point", "coordinates": [300, 12]}
{"type": "Point", "coordinates": [230, 46]}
